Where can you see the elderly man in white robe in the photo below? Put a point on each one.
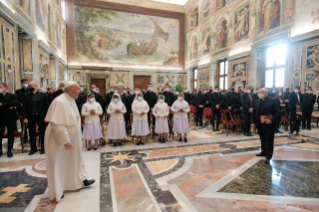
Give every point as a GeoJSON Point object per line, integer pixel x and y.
{"type": "Point", "coordinates": [63, 145]}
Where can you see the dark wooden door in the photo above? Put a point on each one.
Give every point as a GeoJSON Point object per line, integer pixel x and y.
{"type": "Point", "coordinates": [100, 83]}
{"type": "Point", "coordinates": [141, 82]}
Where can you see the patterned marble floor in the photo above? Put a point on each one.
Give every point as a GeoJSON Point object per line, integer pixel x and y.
{"type": "Point", "coordinates": [212, 172]}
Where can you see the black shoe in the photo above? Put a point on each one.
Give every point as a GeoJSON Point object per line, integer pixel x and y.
{"type": "Point", "coordinates": [303, 128]}
{"type": "Point", "coordinates": [32, 152]}
{"type": "Point", "coordinates": [214, 129]}
{"type": "Point", "coordinates": [308, 128]}
{"type": "Point", "coordinates": [138, 144]}
{"type": "Point", "coordinates": [267, 161]}
{"type": "Point", "coordinates": [142, 143]}
{"type": "Point", "coordinates": [297, 133]}
{"type": "Point", "coordinates": [246, 134]}
{"type": "Point", "coordinates": [160, 140]}
{"type": "Point", "coordinates": [115, 145]}
{"type": "Point", "coordinates": [9, 154]}
{"type": "Point", "coordinates": [250, 134]}
{"type": "Point", "coordinates": [180, 139]}
{"type": "Point", "coordinates": [120, 144]}
{"type": "Point", "coordinates": [185, 139]}
{"type": "Point", "coordinates": [88, 182]}
{"type": "Point", "coordinates": [260, 154]}
{"type": "Point", "coordinates": [42, 152]}
{"type": "Point", "coordinates": [163, 141]}
{"type": "Point", "coordinates": [95, 148]}
{"type": "Point", "coordinates": [62, 196]}
{"type": "Point", "coordinates": [89, 148]}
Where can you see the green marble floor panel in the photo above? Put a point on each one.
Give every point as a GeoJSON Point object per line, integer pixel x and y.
{"type": "Point", "coordinates": [281, 178]}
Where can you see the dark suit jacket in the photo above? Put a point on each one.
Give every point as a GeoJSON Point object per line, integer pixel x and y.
{"type": "Point", "coordinates": [188, 98]}
{"type": "Point", "coordinates": [199, 99]}
{"type": "Point", "coordinates": [99, 98]}
{"type": "Point", "coordinates": [293, 100]}
{"type": "Point", "coordinates": [215, 99]}
{"type": "Point", "coordinates": [57, 93]}
{"type": "Point", "coordinates": [207, 98]}
{"type": "Point", "coordinates": [169, 98]}
{"type": "Point", "coordinates": [150, 98]}
{"type": "Point", "coordinates": [308, 101]}
{"type": "Point", "coordinates": [20, 93]}
{"type": "Point", "coordinates": [246, 103]}
{"type": "Point", "coordinates": [228, 100]}
{"type": "Point", "coordinates": [271, 107]}
{"type": "Point", "coordinates": [9, 100]}
{"type": "Point", "coordinates": [42, 105]}
{"type": "Point", "coordinates": [80, 101]}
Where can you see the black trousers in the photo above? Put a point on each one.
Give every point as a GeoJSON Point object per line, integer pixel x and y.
{"type": "Point", "coordinates": [295, 126]}
{"type": "Point", "coordinates": [306, 117]}
{"type": "Point", "coordinates": [267, 143]}
{"type": "Point", "coordinates": [246, 122]}
{"type": "Point", "coordinates": [215, 114]}
{"type": "Point", "coordinates": [237, 112]}
{"type": "Point", "coordinates": [32, 123]}
{"type": "Point", "coordinates": [11, 125]}
{"type": "Point", "coordinates": [292, 118]}
{"type": "Point", "coordinates": [149, 118]}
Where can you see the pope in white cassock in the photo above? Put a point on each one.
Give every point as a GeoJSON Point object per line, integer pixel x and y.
{"type": "Point", "coordinates": [63, 144]}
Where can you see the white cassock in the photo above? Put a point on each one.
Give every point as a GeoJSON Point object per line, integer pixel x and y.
{"type": "Point", "coordinates": [65, 168]}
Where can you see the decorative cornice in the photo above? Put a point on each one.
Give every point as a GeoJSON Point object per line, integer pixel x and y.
{"type": "Point", "coordinates": [150, 4]}
{"type": "Point", "coordinates": [7, 15]}
{"type": "Point", "coordinates": [305, 37]}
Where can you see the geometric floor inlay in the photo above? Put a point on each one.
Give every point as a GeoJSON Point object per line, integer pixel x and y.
{"type": "Point", "coordinates": [282, 178]}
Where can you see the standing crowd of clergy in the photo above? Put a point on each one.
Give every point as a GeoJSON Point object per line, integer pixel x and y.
{"type": "Point", "coordinates": [125, 107]}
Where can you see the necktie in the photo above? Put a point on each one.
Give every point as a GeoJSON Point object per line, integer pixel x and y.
{"type": "Point", "coordinates": [251, 102]}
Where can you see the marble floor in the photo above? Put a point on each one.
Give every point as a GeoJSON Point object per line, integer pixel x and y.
{"type": "Point", "coordinates": [212, 172]}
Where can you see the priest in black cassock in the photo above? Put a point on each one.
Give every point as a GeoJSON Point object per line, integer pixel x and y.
{"type": "Point", "coordinates": [264, 117]}
{"type": "Point", "coordinates": [151, 99]}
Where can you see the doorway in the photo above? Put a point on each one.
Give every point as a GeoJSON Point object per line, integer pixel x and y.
{"type": "Point", "coordinates": [141, 82]}
{"type": "Point", "coordinates": [100, 83]}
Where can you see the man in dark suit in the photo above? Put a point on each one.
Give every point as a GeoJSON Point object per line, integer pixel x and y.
{"type": "Point", "coordinates": [35, 107]}
{"type": "Point", "coordinates": [98, 97]}
{"type": "Point", "coordinates": [229, 101]}
{"type": "Point", "coordinates": [265, 115]}
{"type": "Point", "coordinates": [247, 101]}
{"type": "Point", "coordinates": [307, 104]}
{"type": "Point", "coordinates": [151, 99]}
{"type": "Point", "coordinates": [187, 96]}
{"type": "Point", "coordinates": [60, 90]}
{"type": "Point", "coordinates": [169, 96]}
{"type": "Point", "coordinates": [199, 101]}
{"type": "Point", "coordinates": [8, 115]}
{"type": "Point", "coordinates": [50, 94]}
{"type": "Point", "coordinates": [295, 101]}
{"type": "Point", "coordinates": [20, 93]}
{"type": "Point", "coordinates": [215, 100]}
{"type": "Point", "coordinates": [207, 95]}
{"type": "Point", "coordinates": [81, 100]}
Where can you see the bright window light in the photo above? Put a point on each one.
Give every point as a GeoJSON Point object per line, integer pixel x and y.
{"type": "Point", "coordinates": [275, 66]}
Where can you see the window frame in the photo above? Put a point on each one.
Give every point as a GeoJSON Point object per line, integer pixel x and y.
{"type": "Point", "coordinates": [274, 68]}
{"type": "Point", "coordinates": [224, 75]}
{"type": "Point", "coordinates": [195, 80]}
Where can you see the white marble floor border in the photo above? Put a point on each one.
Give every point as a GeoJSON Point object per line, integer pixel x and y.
{"type": "Point", "coordinates": [113, 194]}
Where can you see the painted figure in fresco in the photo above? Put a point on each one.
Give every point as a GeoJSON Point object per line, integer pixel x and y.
{"type": "Point", "coordinates": [222, 34]}
{"type": "Point", "coordinates": [194, 48]}
{"type": "Point", "coordinates": [43, 65]}
{"type": "Point", "coordinates": [40, 10]}
{"type": "Point", "coordinates": [239, 70]}
{"type": "Point", "coordinates": [313, 56]}
{"type": "Point", "coordinates": [205, 8]}
{"type": "Point", "coordinates": [242, 25]}
{"type": "Point", "coordinates": [206, 41]}
{"type": "Point", "coordinates": [25, 4]}
{"type": "Point", "coordinates": [51, 24]}
{"type": "Point", "coordinates": [270, 14]}
{"type": "Point", "coordinates": [9, 76]}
